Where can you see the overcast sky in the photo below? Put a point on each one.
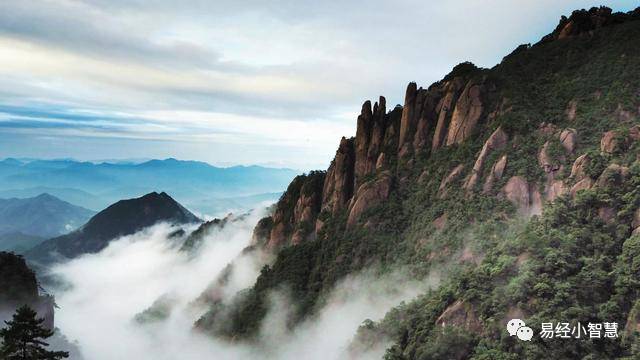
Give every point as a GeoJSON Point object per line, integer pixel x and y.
{"type": "Point", "coordinates": [233, 82]}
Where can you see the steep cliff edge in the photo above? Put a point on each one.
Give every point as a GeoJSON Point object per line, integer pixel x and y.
{"type": "Point", "coordinates": [19, 286]}
{"type": "Point", "coordinates": [520, 180]}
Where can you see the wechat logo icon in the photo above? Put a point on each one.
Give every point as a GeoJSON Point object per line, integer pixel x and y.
{"type": "Point", "coordinates": [518, 328]}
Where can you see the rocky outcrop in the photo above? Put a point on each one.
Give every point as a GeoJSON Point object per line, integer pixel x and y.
{"type": "Point", "coordinates": [497, 170]}
{"type": "Point", "coordinates": [445, 109]}
{"type": "Point", "coordinates": [339, 181]}
{"type": "Point", "coordinates": [497, 140]}
{"type": "Point", "coordinates": [609, 142]}
{"type": "Point", "coordinates": [586, 21]}
{"type": "Point", "coordinates": [525, 197]}
{"type": "Point", "coordinates": [572, 110]}
{"type": "Point", "coordinates": [584, 184]}
{"type": "Point", "coordinates": [579, 167]}
{"type": "Point", "coordinates": [296, 212]}
{"type": "Point", "coordinates": [452, 176]}
{"type": "Point", "coordinates": [613, 175]}
{"type": "Point", "coordinates": [362, 140]}
{"type": "Point", "coordinates": [467, 113]}
{"type": "Point", "coordinates": [419, 116]}
{"type": "Point", "coordinates": [370, 194]}
{"type": "Point", "coordinates": [569, 139]}
{"type": "Point", "coordinates": [460, 314]}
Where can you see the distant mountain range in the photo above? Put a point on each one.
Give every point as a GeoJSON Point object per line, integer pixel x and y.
{"type": "Point", "coordinates": [122, 218]}
{"type": "Point", "coordinates": [26, 222]}
{"type": "Point", "coordinates": [43, 216]}
{"type": "Point", "coordinates": [198, 185]}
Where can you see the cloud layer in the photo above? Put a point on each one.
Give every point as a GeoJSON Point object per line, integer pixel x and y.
{"type": "Point", "coordinates": [168, 75]}
{"type": "Point", "coordinates": [104, 292]}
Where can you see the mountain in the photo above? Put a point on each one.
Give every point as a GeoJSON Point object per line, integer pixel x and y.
{"type": "Point", "coordinates": [96, 185]}
{"type": "Point", "coordinates": [42, 216]}
{"type": "Point", "coordinates": [516, 185]}
{"type": "Point", "coordinates": [122, 218]}
{"type": "Point", "coordinates": [18, 242]}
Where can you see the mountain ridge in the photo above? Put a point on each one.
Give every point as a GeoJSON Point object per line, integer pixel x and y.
{"type": "Point", "coordinates": [124, 217]}
{"type": "Point", "coordinates": [472, 175]}
{"type": "Point", "coordinates": [43, 216]}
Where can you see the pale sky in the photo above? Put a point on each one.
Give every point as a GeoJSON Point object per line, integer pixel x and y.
{"type": "Point", "coordinates": [233, 82]}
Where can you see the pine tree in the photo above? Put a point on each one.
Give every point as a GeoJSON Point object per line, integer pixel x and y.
{"type": "Point", "coordinates": [23, 337]}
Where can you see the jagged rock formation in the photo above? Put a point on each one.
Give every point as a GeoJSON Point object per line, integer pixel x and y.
{"type": "Point", "coordinates": [496, 141]}
{"type": "Point", "coordinates": [430, 183]}
{"type": "Point", "coordinates": [295, 215]}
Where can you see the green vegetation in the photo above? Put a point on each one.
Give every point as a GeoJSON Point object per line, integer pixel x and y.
{"type": "Point", "coordinates": [23, 338]}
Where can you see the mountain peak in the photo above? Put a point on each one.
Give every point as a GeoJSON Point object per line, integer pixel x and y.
{"type": "Point", "coordinates": [585, 21]}
{"type": "Point", "coordinates": [125, 217]}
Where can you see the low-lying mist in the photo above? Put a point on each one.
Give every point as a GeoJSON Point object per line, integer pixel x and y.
{"type": "Point", "coordinates": [104, 292]}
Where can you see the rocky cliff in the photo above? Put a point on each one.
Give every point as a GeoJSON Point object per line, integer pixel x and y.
{"type": "Point", "coordinates": [520, 181]}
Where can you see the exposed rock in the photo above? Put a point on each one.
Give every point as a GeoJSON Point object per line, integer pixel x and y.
{"type": "Point", "coordinates": [427, 119]}
{"type": "Point", "coordinates": [424, 176]}
{"type": "Point", "coordinates": [554, 189]}
{"type": "Point", "coordinates": [571, 110]}
{"type": "Point", "coordinates": [338, 184]}
{"type": "Point", "coordinates": [583, 184]}
{"type": "Point", "coordinates": [607, 214]}
{"type": "Point", "coordinates": [609, 142]}
{"type": "Point", "coordinates": [362, 141]}
{"type": "Point", "coordinates": [444, 110]}
{"type": "Point", "coordinates": [440, 222]}
{"type": "Point", "coordinates": [526, 200]}
{"type": "Point", "coordinates": [370, 194]}
{"type": "Point", "coordinates": [522, 259]}
{"type": "Point", "coordinates": [496, 141]}
{"type": "Point", "coordinates": [568, 139]}
{"type": "Point", "coordinates": [635, 223]}
{"type": "Point", "coordinates": [579, 166]}
{"type": "Point", "coordinates": [496, 174]}
{"type": "Point", "coordinates": [296, 212]}
{"type": "Point", "coordinates": [407, 122]}
{"type": "Point", "coordinates": [584, 22]}
{"type": "Point", "coordinates": [380, 162]}
{"type": "Point", "coordinates": [634, 132]}
{"type": "Point", "coordinates": [466, 114]}
{"type": "Point", "coordinates": [613, 175]}
{"type": "Point", "coordinates": [460, 314]}
{"type": "Point", "coordinates": [453, 175]}
{"type": "Point", "coordinates": [377, 136]}
{"type": "Point", "coordinates": [547, 129]}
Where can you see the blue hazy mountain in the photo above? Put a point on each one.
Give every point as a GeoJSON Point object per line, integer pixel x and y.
{"type": "Point", "coordinates": [18, 242]}
{"type": "Point", "coordinates": [195, 184]}
{"type": "Point", "coordinates": [26, 222]}
{"type": "Point", "coordinates": [125, 217]}
{"type": "Point", "coordinates": [43, 216]}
